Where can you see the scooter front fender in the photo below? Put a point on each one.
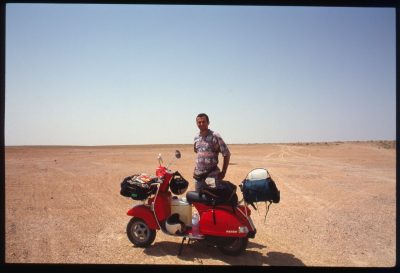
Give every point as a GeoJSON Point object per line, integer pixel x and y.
{"type": "Point", "coordinates": [144, 212]}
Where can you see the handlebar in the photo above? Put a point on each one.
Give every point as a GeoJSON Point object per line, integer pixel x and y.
{"type": "Point", "coordinates": [155, 181]}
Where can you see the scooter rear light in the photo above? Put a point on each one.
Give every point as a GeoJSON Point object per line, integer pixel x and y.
{"type": "Point", "coordinates": [243, 229]}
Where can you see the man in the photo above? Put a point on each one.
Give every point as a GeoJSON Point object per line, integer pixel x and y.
{"type": "Point", "coordinates": [207, 146]}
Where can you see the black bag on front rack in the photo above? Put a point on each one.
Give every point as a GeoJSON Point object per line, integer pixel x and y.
{"type": "Point", "coordinates": [224, 193]}
{"type": "Point", "coordinates": [260, 190]}
{"type": "Point", "coordinates": [133, 187]}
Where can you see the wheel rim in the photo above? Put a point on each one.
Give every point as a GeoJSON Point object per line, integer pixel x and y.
{"type": "Point", "coordinates": [140, 231]}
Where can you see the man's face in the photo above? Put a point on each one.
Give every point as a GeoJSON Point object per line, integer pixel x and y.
{"type": "Point", "coordinates": [202, 123]}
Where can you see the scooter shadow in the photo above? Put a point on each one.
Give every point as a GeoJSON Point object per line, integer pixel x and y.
{"type": "Point", "coordinates": [199, 252]}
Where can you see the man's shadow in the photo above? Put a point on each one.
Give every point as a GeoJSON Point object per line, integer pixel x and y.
{"type": "Point", "coordinates": [200, 251]}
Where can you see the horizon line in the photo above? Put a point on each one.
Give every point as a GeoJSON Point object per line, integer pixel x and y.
{"type": "Point", "coordinates": [166, 144]}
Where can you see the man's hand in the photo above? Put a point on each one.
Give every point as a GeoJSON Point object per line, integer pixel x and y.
{"type": "Point", "coordinates": [221, 175]}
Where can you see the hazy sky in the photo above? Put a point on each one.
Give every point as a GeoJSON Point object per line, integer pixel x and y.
{"type": "Point", "coordinates": [139, 74]}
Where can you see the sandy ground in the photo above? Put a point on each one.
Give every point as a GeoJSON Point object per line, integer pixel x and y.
{"type": "Point", "coordinates": [338, 205]}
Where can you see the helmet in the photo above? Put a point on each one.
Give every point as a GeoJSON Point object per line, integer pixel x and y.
{"type": "Point", "coordinates": [174, 225]}
{"type": "Point", "coordinates": [178, 184]}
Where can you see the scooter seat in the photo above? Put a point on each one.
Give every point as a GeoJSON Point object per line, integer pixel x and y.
{"type": "Point", "coordinates": [194, 196]}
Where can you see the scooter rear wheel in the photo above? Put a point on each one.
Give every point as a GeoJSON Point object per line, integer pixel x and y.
{"type": "Point", "coordinates": [234, 246]}
{"type": "Point", "coordinates": [139, 232]}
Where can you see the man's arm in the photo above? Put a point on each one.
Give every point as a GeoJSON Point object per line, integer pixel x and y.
{"type": "Point", "coordinates": [224, 167]}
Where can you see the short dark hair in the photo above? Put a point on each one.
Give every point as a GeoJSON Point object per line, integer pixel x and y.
{"type": "Point", "coordinates": [201, 115]}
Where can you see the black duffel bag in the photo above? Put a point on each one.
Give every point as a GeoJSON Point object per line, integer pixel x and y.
{"type": "Point", "coordinates": [136, 188]}
{"type": "Point", "coordinates": [224, 193]}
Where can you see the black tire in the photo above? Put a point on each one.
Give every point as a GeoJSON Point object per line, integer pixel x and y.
{"type": "Point", "coordinates": [234, 247]}
{"type": "Point", "coordinates": [139, 233]}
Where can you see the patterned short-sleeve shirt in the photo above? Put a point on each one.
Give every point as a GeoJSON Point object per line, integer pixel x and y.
{"type": "Point", "coordinates": [207, 149]}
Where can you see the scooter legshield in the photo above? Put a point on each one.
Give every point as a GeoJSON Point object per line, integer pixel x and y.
{"type": "Point", "coordinates": [144, 212]}
{"type": "Point", "coordinates": [220, 222]}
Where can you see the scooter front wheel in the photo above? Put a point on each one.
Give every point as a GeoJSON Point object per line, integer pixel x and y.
{"type": "Point", "coordinates": [139, 232]}
{"type": "Point", "coordinates": [234, 246]}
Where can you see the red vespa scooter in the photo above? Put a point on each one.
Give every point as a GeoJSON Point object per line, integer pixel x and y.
{"type": "Point", "coordinates": [225, 226]}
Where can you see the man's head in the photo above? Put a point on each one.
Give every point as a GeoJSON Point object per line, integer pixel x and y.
{"type": "Point", "coordinates": [202, 122]}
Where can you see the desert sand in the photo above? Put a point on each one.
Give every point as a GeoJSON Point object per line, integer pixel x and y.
{"type": "Point", "coordinates": [337, 208]}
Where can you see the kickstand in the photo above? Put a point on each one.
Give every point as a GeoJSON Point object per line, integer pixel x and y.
{"type": "Point", "coordinates": [181, 248]}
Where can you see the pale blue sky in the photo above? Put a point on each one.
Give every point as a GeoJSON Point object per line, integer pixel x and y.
{"type": "Point", "coordinates": [139, 74]}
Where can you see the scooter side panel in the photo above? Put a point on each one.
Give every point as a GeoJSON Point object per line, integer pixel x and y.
{"type": "Point", "coordinates": [226, 223]}
{"type": "Point", "coordinates": [203, 207]}
{"type": "Point", "coordinates": [245, 210]}
{"type": "Point", "coordinates": [144, 212]}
